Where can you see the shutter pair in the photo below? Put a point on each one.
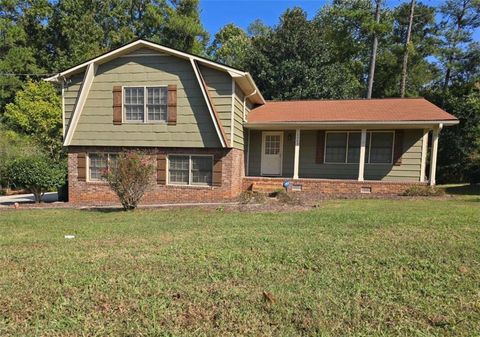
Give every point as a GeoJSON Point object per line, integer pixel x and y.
{"type": "Point", "coordinates": [171, 105]}
{"type": "Point", "coordinates": [162, 170]}
{"type": "Point", "coordinates": [397, 148]}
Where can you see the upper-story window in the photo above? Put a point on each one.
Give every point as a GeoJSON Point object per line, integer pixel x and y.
{"type": "Point", "coordinates": [145, 104]}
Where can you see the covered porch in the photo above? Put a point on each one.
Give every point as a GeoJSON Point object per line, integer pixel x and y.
{"type": "Point", "coordinates": [369, 153]}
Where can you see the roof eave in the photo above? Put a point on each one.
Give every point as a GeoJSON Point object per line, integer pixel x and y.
{"type": "Point", "coordinates": [353, 123]}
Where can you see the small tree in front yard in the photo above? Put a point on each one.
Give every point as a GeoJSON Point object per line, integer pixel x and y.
{"type": "Point", "coordinates": [129, 176]}
{"type": "Point", "coordinates": [38, 173]}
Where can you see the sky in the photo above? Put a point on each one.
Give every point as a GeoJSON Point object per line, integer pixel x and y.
{"type": "Point", "coordinates": [217, 13]}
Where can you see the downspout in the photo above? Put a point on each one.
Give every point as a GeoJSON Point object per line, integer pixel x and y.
{"type": "Point", "coordinates": [245, 102]}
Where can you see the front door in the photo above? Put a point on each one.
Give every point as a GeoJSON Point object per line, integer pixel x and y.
{"type": "Point", "coordinates": [272, 148]}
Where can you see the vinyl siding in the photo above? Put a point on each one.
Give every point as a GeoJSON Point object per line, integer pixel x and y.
{"type": "Point", "coordinates": [220, 89]}
{"type": "Point", "coordinates": [194, 126]}
{"type": "Point", "coordinates": [409, 170]}
{"type": "Point", "coordinates": [71, 92]}
{"type": "Point", "coordinates": [239, 139]}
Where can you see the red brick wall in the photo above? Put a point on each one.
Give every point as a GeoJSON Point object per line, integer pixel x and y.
{"type": "Point", "coordinates": [333, 187]}
{"type": "Point", "coordinates": [94, 193]}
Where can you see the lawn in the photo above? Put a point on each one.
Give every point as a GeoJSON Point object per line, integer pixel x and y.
{"type": "Point", "coordinates": [348, 267]}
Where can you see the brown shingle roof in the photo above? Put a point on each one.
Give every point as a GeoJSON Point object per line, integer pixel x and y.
{"type": "Point", "coordinates": [360, 110]}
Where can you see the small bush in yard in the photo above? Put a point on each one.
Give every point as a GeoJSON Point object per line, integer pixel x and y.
{"type": "Point", "coordinates": [423, 191]}
{"type": "Point", "coordinates": [248, 197]}
{"type": "Point", "coordinates": [287, 198]}
{"type": "Point", "coordinates": [37, 173]}
{"type": "Point", "coordinates": [129, 177]}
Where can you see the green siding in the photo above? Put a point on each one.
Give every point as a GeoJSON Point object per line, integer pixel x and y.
{"type": "Point", "coordinates": [194, 126]}
{"type": "Point", "coordinates": [409, 170]}
{"type": "Point", "coordinates": [71, 91]}
{"type": "Point", "coordinates": [239, 137]}
{"type": "Point", "coordinates": [220, 89]}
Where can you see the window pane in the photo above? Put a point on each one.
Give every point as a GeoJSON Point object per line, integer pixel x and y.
{"type": "Point", "coordinates": [381, 147]}
{"type": "Point", "coordinates": [272, 144]}
{"type": "Point", "coordinates": [202, 170]}
{"type": "Point", "coordinates": [336, 147]}
{"type": "Point", "coordinates": [133, 103]}
{"type": "Point", "coordinates": [354, 139]}
{"type": "Point", "coordinates": [97, 164]}
{"type": "Point", "coordinates": [157, 104]}
{"type": "Point", "coordinates": [178, 169]}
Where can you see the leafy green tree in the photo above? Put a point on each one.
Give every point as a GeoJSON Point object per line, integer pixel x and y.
{"type": "Point", "coordinates": [292, 61]}
{"type": "Point", "coordinates": [231, 46]}
{"type": "Point", "coordinates": [36, 111]}
{"type": "Point", "coordinates": [38, 173]}
{"type": "Point", "coordinates": [13, 145]}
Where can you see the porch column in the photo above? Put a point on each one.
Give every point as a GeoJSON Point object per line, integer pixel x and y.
{"type": "Point", "coordinates": [433, 161]}
{"type": "Point", "coordinates": [423, 164]}
{"type": "Point", "coordinates": [296, 159]}
{"type": "Point", "coordinates": [361, 164]}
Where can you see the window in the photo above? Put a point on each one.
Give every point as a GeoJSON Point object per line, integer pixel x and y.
{"type": "Point", "coordinates": [344, 147]}
{"type": "Point", "coordinates": [137, 108]}
{"type": "Point", "coordinates": [381, 147]}
{"type": "Point", "coordinates": [272, 144]}
{"type": "Point", "coordinates": [98, 163]}
{"type": "Point", "coordinates": [190, 170]}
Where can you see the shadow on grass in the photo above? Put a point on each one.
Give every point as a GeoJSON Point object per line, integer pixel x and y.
{"type": "Point", "coordinates": [104, 209]}
{"type": "Point", "coordinates": [462, 189]}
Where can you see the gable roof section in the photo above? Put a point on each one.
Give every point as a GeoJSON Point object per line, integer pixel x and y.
{"type": "Point", "coordinates": [244, 79]}
{"type": "Point", "coordinates": [388, 111]}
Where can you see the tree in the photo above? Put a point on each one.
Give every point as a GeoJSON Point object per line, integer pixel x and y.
{"type": "Point", "coordinates": [129, 177]}
{"type": "Point", "coordinates": [373, 56]}
{"type": "Point", "coordinates": [36, 111]}
{"type": "Point", "coordinates": [231, 46]}
{"type": "Point", "coordinates": [460, 18]}
{"type": "Point", "coordinates": [38, 173]}
{"type": "Point", "coordinates": [292, 61]}
{"type": "Point", "coordinates": [403, 82]}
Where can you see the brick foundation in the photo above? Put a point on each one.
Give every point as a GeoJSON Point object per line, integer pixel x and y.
{"type": "Point", "coordinates": [99, 193]}
{"type": "Point", "coordinates": [333, 187]}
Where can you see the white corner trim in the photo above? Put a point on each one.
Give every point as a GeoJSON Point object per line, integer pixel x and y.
{"type": "Point", "coordinates": [232, 117]}
{"type": "Point", "coordinates": [63, 109]}
{"type": "Point", "coordinates": [423, 164]}
{"type": "Point", "coordinates": [207, 101]}
{"type": "Point", "coordinates": [86, 85]}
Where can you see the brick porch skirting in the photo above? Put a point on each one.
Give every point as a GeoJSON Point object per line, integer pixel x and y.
{"type": "Point", "coordinates": [99, 193]}
{"type": "Point", "coordinates": [332, 187]}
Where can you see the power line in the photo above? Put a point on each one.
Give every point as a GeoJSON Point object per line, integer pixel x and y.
{"type": "Point", "coordinates": [26, 74]}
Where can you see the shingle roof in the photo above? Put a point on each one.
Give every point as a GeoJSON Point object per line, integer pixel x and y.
{"type": "Point", "coordinates": [360, 110]}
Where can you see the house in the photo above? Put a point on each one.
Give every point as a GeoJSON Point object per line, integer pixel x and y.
{"type": "Point", "coordinates": [211, 134]}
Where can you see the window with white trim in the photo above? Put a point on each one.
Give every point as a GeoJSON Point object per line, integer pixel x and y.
{"type": "Point", "coordinates": [190, 170]}
{"type": "Point", "coordinates": [145, 104]}
{"type": "Point", "coordinates": [98, 164]}
{"type": "Point", "coordinates": [343, 147]}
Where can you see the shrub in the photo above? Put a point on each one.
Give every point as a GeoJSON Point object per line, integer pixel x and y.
{"type": "Point", "coordinates": [130, 177]}
{"type": "Point", "coordinates": [37, 173]}
{"type": "Point", "coordinates": [423, 191]}
{"type": "Point", "coordinates": [248, 197]}
{"type": "Point", "coordinates": [286, 198]}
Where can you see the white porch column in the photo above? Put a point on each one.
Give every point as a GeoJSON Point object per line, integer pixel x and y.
{"type": "Point", "coordinates": [423, 164]}
{"type": "Point", "coordinates": [296, 159]}
{"type": "Point", "coordinates": [361, 164]}
{"type": "Point", "coordinates": [433, 161]}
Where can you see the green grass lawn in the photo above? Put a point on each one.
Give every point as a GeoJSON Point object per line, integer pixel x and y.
{"type": "Point", "coordinates": [347, 268]}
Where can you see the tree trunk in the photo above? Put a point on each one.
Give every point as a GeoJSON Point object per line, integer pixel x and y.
{"type": "Point", "coordinates": [373, 56]}
{"type": "Point", "coordinates": [403, 82]}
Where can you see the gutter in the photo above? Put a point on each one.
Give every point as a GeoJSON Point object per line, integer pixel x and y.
{"type": "Point", "coordinates": [333, 123]}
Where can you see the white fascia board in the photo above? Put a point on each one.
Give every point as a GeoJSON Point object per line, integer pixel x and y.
{"type": "Point", "coordinates": [86, 85]}
{"type": "Point", "coordinates": [207, 101]}
{"type": "Point", "coordinates": [351, 123]}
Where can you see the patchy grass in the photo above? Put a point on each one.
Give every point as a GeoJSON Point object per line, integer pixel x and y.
{"type": "Point", "coordinates": [349, 267]}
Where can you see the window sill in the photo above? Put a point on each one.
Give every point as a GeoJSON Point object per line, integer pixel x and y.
{"type": "Point", "coordinates": [190, 186]}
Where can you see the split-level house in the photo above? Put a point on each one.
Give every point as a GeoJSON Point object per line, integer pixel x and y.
{"type": "Point", "coordinates": [210, 133]}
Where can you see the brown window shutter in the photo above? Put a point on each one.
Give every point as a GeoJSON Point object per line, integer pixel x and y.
{"type": "Point", "coordinates": [320, 147]}
{"type": "Point", "coordinates": [398, 148]}
{"type": "Point", "coordinates": [117, 105]}
{"type": "Point", "coordinates": [172, 104]}
{"type": "Point", "coordinates": [81, 166]}
{"type": "Point", "coordinates": [161, 169]}
{"type": "Point", "coordinates": [217, 171]}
